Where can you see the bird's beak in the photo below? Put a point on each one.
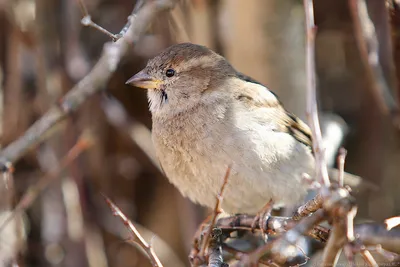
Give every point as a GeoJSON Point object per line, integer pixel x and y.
{"type": "Point", "coordinates": [143, 80]}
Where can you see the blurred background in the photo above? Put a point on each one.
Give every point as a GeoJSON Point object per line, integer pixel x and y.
{"type": "Point", "coordinates": [45, 51]}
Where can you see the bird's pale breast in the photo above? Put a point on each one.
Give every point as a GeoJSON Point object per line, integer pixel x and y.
{"type": "Point", "coordinates": [265, 164]}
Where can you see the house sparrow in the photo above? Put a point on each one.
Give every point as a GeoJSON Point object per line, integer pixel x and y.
{"type": "Point", "coordinates": [208, 116]}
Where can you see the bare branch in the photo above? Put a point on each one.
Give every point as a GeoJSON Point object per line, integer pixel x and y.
{"type": "Point", "coordinates": [279, 249]}
{"type": "Point", "coordinates": [217, 210]}
{"type": "Point", "coordinates": [368, 258]}
{"type": "Point", "coordinates": [274, 224]}
{"type": "Point", "coordinates": [135, 235]}
{"type": "Point", "coordinates": [312, 109]}
{"type": "Point", "coordinates": [341, 160]}
{"type": "Point", "coordinates": [368, 45]}
{"type": "Point", "coordinates": [373, 234]}
{"type": "Point", "coordinates": [342, 211]}
{"type": "Point", "coordinates": [392, 222]}
{"type": "Point", "coordinates": [83, 8]}
{"type": "Point", "coordinates": [84, 143]}
{"type": "Point", "coordinates": [91, 84]}
{"type": "Point", "coordinates": [215, 258]}
{"type": "Point", "coordinates": [309, 207]}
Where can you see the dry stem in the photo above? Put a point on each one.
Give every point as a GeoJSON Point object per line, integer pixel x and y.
{"type": "Point", "coordinates": [134, 233]}
{"type": "Point", "coordinates": [312, 110]}
{"type": "Point", "coordinates": [217, 210]}
{"type": "Point", "coordinates": [341, 161]}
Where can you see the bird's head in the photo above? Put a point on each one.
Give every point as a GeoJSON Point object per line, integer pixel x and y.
{"type": "Point", "coordinates": [181, 77]}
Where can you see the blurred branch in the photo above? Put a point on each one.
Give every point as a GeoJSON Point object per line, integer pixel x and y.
{"type": "Point", "coordinates": [373, 234]}
{"type": "Point", "coordinates": [368, 44]}
{"type": "Point", "coordinates": [368, 258]}
{"type": "Point", "coordinates": [83, 8]}
{"type": "Point", "coordinates": [395, 26]}
{"type": "Point", "coordinates": [139, 133]}
{"type": "Point", "coordinates": [135, 235]}
{"type": "Point", "coordinates": [84, 142]}
{"type": "Point", "coordinates": [91, 84]}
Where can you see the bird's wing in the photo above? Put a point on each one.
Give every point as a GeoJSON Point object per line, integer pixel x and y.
{"type": "Point", "coordinates": [255, 95]}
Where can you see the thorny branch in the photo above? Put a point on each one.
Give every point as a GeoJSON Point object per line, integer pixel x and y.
{"type": "Point", "coordinates": [135, 235]}
{"type": "Point", "coordinates": [91, 84]}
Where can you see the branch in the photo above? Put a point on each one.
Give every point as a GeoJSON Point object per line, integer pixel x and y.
{"type": "Point", "coordinates": [280, 249]}
{"type": "Point", "coordinates": [309, 207]}
{"type": "Point", "coordinates": [372, 234]}
{"type": "Point", "coordinates": [275, 224]}
{"type": "Point", "coordinates": [312, 111]}
{"type": "Point", "coordinates": [135, 235]}
{"type": "Point", "coordinates": [215, 258]}
{"type": "Point", "coordinates": [94, 82]}
{"type": "Point", "coordinates": [84, 142]}
{"type": "Point", "coordinates": [217, 210]}
{"type": "Point", "coordinates": [368, 45]}
{"type": "Point", "coordinates": [342, 210]}
{"type": "Point", "coordinates": [87, 21]}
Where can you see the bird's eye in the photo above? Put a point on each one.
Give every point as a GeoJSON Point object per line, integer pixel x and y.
{"type": "Point", "coordinates": [170, 72]}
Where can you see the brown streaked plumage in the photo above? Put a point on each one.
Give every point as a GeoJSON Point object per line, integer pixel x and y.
{"type": "Point", "coordinates": [206, 116]}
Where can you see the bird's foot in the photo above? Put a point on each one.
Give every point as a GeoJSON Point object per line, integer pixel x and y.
{"type": "Point", "coordinates": [262, 218]}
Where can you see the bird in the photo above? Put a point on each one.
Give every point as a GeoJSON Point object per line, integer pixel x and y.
{"type": "Point", "coordinates": [207, 117]}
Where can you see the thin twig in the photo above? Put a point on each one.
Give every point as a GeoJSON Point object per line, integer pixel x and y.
{"type": "Point", "coordinates": [217, 210]}
{"type": "Point", "coordinates": [87, 21]}
{"type": "Point", "coordinates": [134, 233]}
{"type": "Point", "coordinates": [312, 110]}
{"type": "Point", "coordinates": [84, 143]}
{"type": "Point", "coordinates": [372, 234]}
{"type": "Point", "coordinates": [83, 8]}
{"type": "Point", "coordinates": [392, 222]}
{"type": "Point", "coordinates": [367, 256]}
{"type": "Point", "coordinates": [341, 159]}
{"type": "Point", "coordinates": [94, 82]}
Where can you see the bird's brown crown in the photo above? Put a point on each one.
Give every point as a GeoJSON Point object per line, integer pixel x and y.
{"type": "Point", "coordinates": [186, 56]}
